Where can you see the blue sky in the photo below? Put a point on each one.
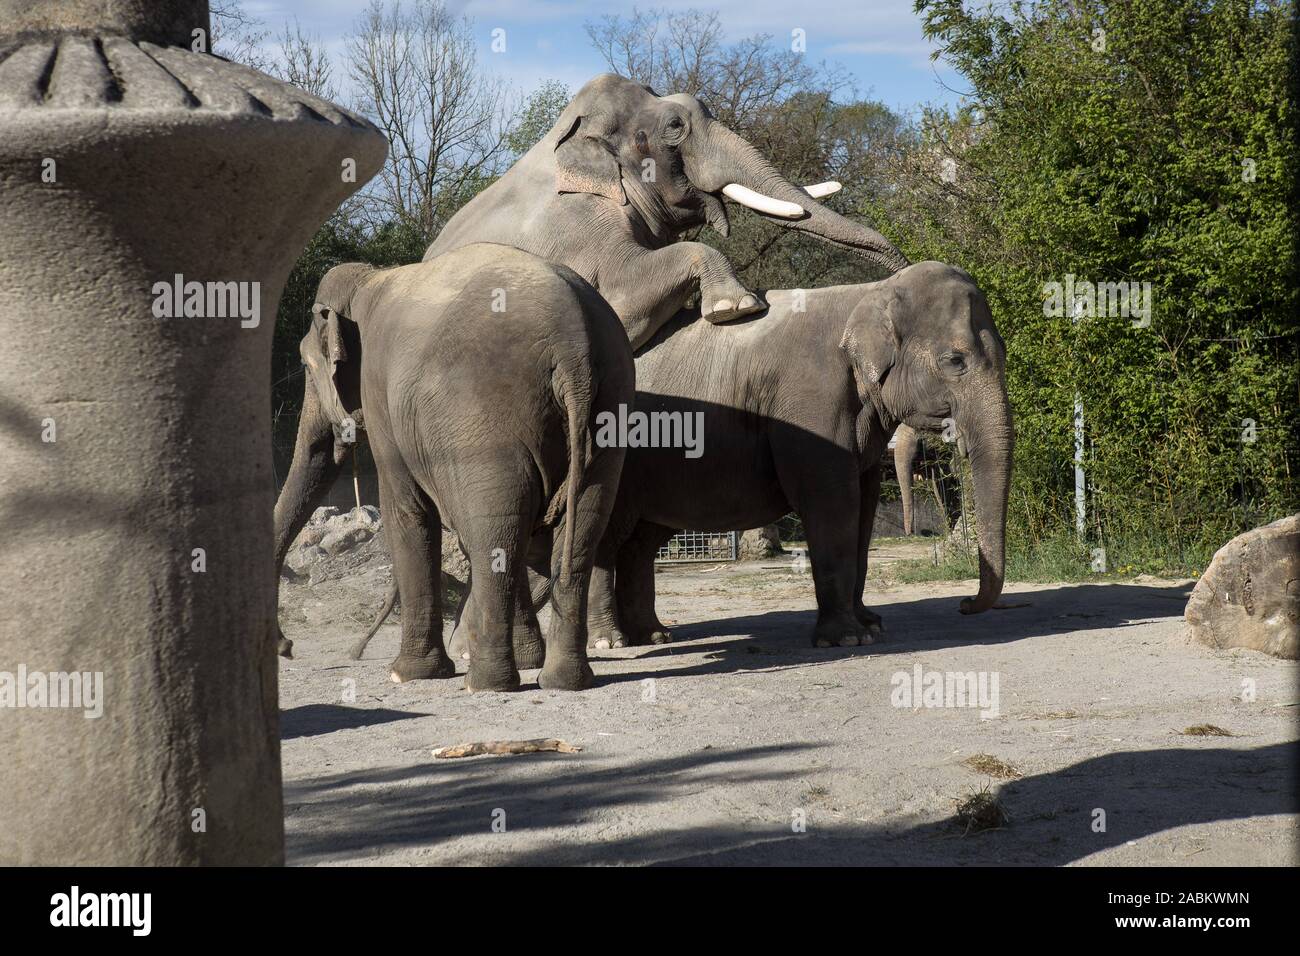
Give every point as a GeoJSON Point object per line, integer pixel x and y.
{"type": "Point", "coordinates": [878, 42]}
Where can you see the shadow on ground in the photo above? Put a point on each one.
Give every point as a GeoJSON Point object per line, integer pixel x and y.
{"type": "Point", "coordinates": [312, 720]}
{"type": "Point", "coordinates": [355, 815]}
{"type": "Point", "coordinates": [780, 639]}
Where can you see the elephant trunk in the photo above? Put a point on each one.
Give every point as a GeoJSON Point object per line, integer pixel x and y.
{"type": "Point", "coordinates": [905, 443]}
{"type": "Point", "coordinates": [727, 160]}
{"type": "Point", "coordinates": [313, 471]}
{"type": "Point", "coordinates": [990, 441]}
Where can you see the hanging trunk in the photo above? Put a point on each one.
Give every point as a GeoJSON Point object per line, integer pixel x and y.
{"type": "Point", "coordinates": [906, 441]}
{"type": "Point", "coordinates": [990, 442]}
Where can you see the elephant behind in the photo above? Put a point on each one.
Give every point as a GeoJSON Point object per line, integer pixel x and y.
{"type": "Point", "coordinates": [483, 373]}
{"type": "Point", "coordinates": [798, 406]}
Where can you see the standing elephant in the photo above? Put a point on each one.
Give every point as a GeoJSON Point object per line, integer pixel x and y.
{"type": "Point", "coordinates": [484, 371]}
{"type": "Point", "coordinates": [797, 409]}
{"type": "Point", "coordinates": [619, 177]}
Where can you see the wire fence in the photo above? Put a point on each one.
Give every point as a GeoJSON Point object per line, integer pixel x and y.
{"type": "Point", "coordinates": [690, 546]}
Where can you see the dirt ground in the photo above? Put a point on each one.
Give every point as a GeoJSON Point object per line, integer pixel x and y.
{"type": "Point", "coordinates": [741, 744]}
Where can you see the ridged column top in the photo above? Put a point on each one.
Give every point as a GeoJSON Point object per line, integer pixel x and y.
{"type": "Point", "coordinates": [167, 22]}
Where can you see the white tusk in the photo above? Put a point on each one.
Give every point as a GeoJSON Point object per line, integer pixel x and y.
{"type": "Point", "coordinates": [820, 190]}
{"type": "Point", "coordinates": [760, 203]}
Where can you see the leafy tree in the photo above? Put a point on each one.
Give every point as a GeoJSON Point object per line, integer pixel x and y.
{"type": "Point", "coordinates": [1145, 141]}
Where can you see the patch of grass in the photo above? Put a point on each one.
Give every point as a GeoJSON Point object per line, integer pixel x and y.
{"type": "Point", "coordinates": [979, 812]}
{"type": "Point", "coordinates": [1063, 558]}
{"type": "Point", "coordinates": [991, 766]}
{"type": "Point", "coordinates": [1206, 730]}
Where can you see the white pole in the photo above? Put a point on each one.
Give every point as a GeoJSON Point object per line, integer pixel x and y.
{"type": "Point", "coordinates": [1080, 498]}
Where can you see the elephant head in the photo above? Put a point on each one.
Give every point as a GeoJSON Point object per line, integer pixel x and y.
{"type": "Point", "coordinates": [331, 349]}
{"type": "Point", "coordinates": [667, 157]}
{"type": "Point", "coordinates": [924, 352]}
{"type": "Point", "coordinates": [331, 407]}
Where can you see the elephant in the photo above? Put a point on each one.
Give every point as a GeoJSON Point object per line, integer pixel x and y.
{"type": "Point", "coordinates": [481, 417]}
{"type": "Point", "coordinates": [907, 442]}
{"type": "Point", "coordinates": [798, 406]}
{"type": "Point", "coordinates": [622, 174]}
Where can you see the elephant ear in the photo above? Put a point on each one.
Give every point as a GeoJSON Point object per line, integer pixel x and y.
{"type": "Point", "coordinates": [871, 339]}
{"type": "Point", "coordinates": [331, 350]}
{"type": "Point", "coordinates": [585, 160]}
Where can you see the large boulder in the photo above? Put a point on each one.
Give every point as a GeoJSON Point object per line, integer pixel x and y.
{"type": "Point", "coordinates": [1249, 596]}
{"type": "Point", "coordinates": [760, 543]}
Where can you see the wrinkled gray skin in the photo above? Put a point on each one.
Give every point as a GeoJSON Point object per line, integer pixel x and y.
{"type": "Point", "coordinates": [798, 411]}
{"type": "Point", "coordinates": [580, 198]}
{"type": "Point", "coordinates": [479, 419]}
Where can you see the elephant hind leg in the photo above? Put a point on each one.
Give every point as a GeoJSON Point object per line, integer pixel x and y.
{"type": "Point", "coordinates": [494, 545]}
{"type": "Point", "coordinates": [414, 535]}
{"type": "Point", "coordinates": [566, 641]}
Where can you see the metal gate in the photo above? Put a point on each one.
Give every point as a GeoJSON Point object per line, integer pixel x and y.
{"type": "Point", "coordinates": [699, 546]}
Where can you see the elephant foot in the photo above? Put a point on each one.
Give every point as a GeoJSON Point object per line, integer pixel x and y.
{"type": "Point", "coordinates": [566, 674]}
{"type": "Point", "coordinates": [435, 666]}
{"type": "Point", "coordinates": [603, 638]}
{"type": "Point", "coordinates": [530, 651]}
{"type": "Point", "coordinates": [458, 646]}
{"type": "Point", "coordinates": [485, 678]}
{"type": "Point", "coordinates": [658, 634]}
{"type": "Point", "coordinates": [726, 309]}
{"type": "Point", "coordinates": [840, 632]}
{"type": "Point", "coordinates": [872, 622]}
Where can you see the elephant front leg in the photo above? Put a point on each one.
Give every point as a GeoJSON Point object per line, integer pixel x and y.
{"type": "Point", "coordinates": [655, 284]}
{"type": "Point", "coordinates": [869, 498]}
{"type": "Point", "coordinates": [832, 551]}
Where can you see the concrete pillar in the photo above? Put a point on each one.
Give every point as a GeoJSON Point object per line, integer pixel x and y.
{"type": "Point", "coordinates": [135, 459]}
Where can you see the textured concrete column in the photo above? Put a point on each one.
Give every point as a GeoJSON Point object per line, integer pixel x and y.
{"type": "Point", "coordinates": [135, 482]}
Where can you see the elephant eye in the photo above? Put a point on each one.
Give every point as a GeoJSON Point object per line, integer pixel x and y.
{"type": "Point", "coordinates": [955, 361]}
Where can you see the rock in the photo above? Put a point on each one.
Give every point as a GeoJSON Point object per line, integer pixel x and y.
{"type": "Point", "coordinates": [344, 539]}
{"type": "Point", "coordinates": [454, 563]}
{"type": "Point", "coordinates": [760, 543]}
{"type": "Point", "coordinates": [300, 560]}
{"type": "Point", "coordinates": [1249, 596]}
{"type": "Point", "coordinates": [321, 515]}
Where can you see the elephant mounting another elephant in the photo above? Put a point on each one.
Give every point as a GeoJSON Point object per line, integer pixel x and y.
{"type": "Point", "coordinates": [619, 177]}
{"type": "Point", "coordinates": [798, 406]}
{"type": "Point", "coordinates": [605, 194]}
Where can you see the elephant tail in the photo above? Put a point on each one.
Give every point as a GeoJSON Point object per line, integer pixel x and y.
{"type": "Point", "coordinates": [573, 392]}
{"type": "Point", "coordinates": [359, 647]}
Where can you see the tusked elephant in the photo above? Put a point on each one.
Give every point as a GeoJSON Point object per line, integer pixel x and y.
{"type": "Point", "coordinates": [484, 371]}
{"type": "Point", "coordinates": [798, 406]}
{"type": "Point", "coordinates": [619, 177]}
{"type": "Point", "coordinates": [906, 444]}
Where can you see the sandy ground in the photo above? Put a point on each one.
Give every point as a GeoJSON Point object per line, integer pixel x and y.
{"type": "Point", "coordinates": [742, 744]}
